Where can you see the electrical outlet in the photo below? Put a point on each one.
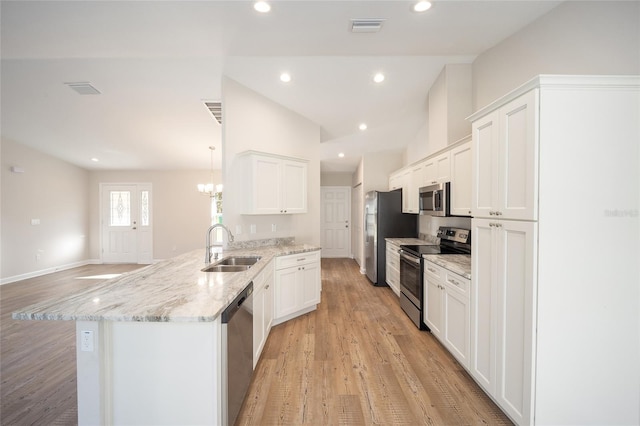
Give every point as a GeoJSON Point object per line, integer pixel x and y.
{"type": "Point", "coordinates": [238, 229]}
{"type": "Point", "coordinates": [252, 228]}
{"type": "Point", "coordinates": [86, 341]}
{"type": "Point", "coordinates": [273, 227]}
{"type": "Point", "coordinates": [35, 221]}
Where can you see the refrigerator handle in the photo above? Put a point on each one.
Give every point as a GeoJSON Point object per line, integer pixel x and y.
{"type": "Point", "coordinates": [366, 215]}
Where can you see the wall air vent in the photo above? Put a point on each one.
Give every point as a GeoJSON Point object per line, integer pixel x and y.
{"type": "Point", "coordinates": [366, 25]}
{"type": "Point", "coordinates": [215, 108]}
{"type": "Point", "coordinates": [83, 88]}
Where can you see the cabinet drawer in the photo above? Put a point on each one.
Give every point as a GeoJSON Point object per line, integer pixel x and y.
{"type": "Point", "coordinates": [432, 270]}
{"type": "Point", "coordinates": [457, 282]}
{"type": "Point", "coordinates": [297, 259]}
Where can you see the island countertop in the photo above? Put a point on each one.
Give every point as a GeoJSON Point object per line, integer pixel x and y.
{"type": "Point", "coordinates": [173, 290]}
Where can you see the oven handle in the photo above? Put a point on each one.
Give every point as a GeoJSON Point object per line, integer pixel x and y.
{"type": "Point", "coordinates": [409, 257]}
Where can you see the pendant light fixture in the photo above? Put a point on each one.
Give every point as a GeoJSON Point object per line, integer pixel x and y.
{"type": "Point", "coordinates": [208, 188]}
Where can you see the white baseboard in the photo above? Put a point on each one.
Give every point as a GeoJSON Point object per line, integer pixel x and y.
{"type": "Point", "coordinates": [47, 271]}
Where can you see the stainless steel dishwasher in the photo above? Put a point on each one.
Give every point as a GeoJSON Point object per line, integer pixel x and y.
{"type": "Point", "coordinates": [237, 353]}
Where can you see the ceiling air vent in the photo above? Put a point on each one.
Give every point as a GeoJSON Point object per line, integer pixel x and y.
{"type": "Point", "coordinates": [366, 25]}
{"type": "Point", "coordinates": [83, 88]}
{"type": "Point", "coordinates": [215, 108]}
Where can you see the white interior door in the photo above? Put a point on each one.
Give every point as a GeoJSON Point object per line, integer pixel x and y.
{"type": "Point", "coordinates": [335, 218]}
{"type": "Point", "coordinates": [126, 223]}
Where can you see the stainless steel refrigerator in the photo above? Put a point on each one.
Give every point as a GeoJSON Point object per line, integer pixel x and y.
{"type": "Point", "coordinates": [383, 218]}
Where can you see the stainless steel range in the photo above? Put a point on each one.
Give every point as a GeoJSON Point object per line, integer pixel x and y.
{"type": "Point", "coordinates": [452, 241]}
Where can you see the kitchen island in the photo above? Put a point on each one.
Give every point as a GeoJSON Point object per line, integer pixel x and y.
{"type": "Point", "coordinates": [148, 343]}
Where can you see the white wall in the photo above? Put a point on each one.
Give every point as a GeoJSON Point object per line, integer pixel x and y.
{"type": "Point", "coordinates": [254, 122]}
{"type": "Point", "coordinates": [336, 178]}
{"type": "Point", "coordinates": [53, 191]}
{"type": "Point", "coordinates": [577, 37]}
{"type": "Point", "coordinates": [181, 215]}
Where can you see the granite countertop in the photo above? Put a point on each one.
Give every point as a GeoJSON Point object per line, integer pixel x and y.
{"type": "Point", "coordinates": [457, 263]}
{"type": "Point", "coordinates": [173, 290]}
{"type": "Point", "coordinates": [412, 241]}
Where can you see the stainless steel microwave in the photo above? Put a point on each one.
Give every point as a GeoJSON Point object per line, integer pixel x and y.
{"type": "Point", "coordinates": [435, 199]}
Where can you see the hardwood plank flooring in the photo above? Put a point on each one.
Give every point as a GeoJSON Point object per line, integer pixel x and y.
{"type": "Point", "coordinates": [38, 358]}
{"type": "Point", "coordinates": [359, 360]}
{"type": "Point", "coordinates": [356, 360]}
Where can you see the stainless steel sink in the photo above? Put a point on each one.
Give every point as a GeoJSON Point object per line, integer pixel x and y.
{"type": "Point", "coordinates": [238, 260]}
{"type": "Point", "coordinates": [226, 268]}
{"type": "Point", "coordinates": [232, 264]}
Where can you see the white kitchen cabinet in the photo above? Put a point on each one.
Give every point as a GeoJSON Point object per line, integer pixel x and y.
{"type": "Point", "coordinates": [273, 184]}
{"type": "Point", "coordinates": [395, 181]}
{"type": "Point", "coordinates": [505, 161]}
{"type": "Point", "coordinates": [262, 310]}
{"type": "Point", "coordinates": [297, 285]}
{"type": "Point", "coordinates": [393, 267]}
{"type": "Point", "coordinates": [461, 180]}
{"type": "Point", "coordinates": [437, 169]}
{"type": "Point", "coordinates": [405, 177]}
{"type": "Point", "coordinates": [415, 182]}
{"type": "Point", "coordinates": [502, 311]}
{"type": "Point", "coordinates": [448, 311]}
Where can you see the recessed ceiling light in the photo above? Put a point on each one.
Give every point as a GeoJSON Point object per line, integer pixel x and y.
{"type": "Point", "coordinates": [262, 6]}
{"type": "Point", "coordinates": [363, 126]}
{"type": "Point", "coordinates": [285, 77]}
{"type": "Point", "coordinates": [341, 155]}
{"type": "Point", "coordinates": [95, 160]}
{"type": "Point", "coordinates": [378, 78]}
{"type": "Point", "coordinates": [422, 6]}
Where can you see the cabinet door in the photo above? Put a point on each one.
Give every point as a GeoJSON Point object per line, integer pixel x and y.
{"type": "Point", "coordinates": [484, 169]}
{"type": "Point", "coordinates": [443, 167]}
{"type": "Point", "coordinates": [310, 283]}
{"type": "Point", "coordinates": [406, 190]}
{"type": "Point", "coordinates": [259, 336]}
{"type": "Point", "coordinates": [483, 304]}
{"type": "Point", "coordinates": [518, 158]}
{"type": "Point", "coordinates": [286, 297]}
{"type": "Point", "coordinates": [268, 305]}
{"type": "Point", "coordinates": [456, 325]}
{"type": "Point", "coordinates": [415, 184]}
{"type": "Point", "coordinates": [429, 172]}
{"type": "Point", "coordinates": [516, 278]}
{"type": "Point", "coordinates": [265, 182]}
{"type": "Point", "coordinates": [433, 299]}
{"type": "Point", "coordinates": [461, 180]}
{"type": "Point", "coordinates": [294, 187]}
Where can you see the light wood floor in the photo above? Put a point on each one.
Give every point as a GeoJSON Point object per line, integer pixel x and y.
{"type": "Point", "coordinates": [357, 360]}
{"type": "Point", "coordinates": [38, 358]}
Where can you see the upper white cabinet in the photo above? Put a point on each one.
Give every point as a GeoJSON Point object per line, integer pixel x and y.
{"type": "Point", "coordinates": [505, 161]}
{"type": "Point", "coordinates": [395, 181]}
{"type": "Point", "coordinates": [273, 184]}
{"type": "Point", "coordinates": [436, 170]}
{"type": "Point", "coordinates": [461, 180]}
{"type": "Point", "coordinates": [415, 182]}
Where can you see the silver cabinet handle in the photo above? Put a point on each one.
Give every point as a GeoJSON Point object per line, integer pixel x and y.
{"type": "Point", "coordinates": [301, 259]}
{"type": "Point", "coordinates": [454, 282]}
{"type": "Point", "coordinates": [498, 213]}
{"type": "Point", "coordinates": [432, 270]}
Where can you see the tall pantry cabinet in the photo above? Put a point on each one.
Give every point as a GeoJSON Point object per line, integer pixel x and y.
{"type": "Point", "coordinates": [556, 238]}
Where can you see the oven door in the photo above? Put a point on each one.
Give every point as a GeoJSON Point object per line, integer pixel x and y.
{"type": "Point", "coordinates": [411, 278]}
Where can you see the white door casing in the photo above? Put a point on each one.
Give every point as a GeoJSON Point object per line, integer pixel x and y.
{"type": "Point", "coordinates": [335, 218]}
{"type": "Point", "coordinates": [126, 223]}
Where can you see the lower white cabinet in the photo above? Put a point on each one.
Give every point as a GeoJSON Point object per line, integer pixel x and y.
{"type": "Point", "coordinates": [448, 310]}
{"type": "Point", "coordinates": [393, 268]}
{"type": "Point", "coordinates": [502, 313]}
{"type": "Point", "coordinates": [262, 310]}
{"type": "Point", "coordinates": [297, 285]}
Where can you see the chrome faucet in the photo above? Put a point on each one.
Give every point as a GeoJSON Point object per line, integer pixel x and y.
{"type": "Point", "coordinates": [207, 255]}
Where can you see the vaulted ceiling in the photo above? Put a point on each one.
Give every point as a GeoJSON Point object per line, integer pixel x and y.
{"type": "Point", "coordinates": [155, 62]}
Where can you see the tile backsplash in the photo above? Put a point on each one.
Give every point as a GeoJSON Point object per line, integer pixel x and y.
{"type": "Point", "coordinates": [429, 224]}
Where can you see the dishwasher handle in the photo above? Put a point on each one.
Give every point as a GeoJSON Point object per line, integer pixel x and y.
{"type": "Point", "coordinates": [235, 306]}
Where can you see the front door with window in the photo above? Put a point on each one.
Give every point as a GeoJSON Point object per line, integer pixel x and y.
{"type": "Point", "coordinates": [126, 223]}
